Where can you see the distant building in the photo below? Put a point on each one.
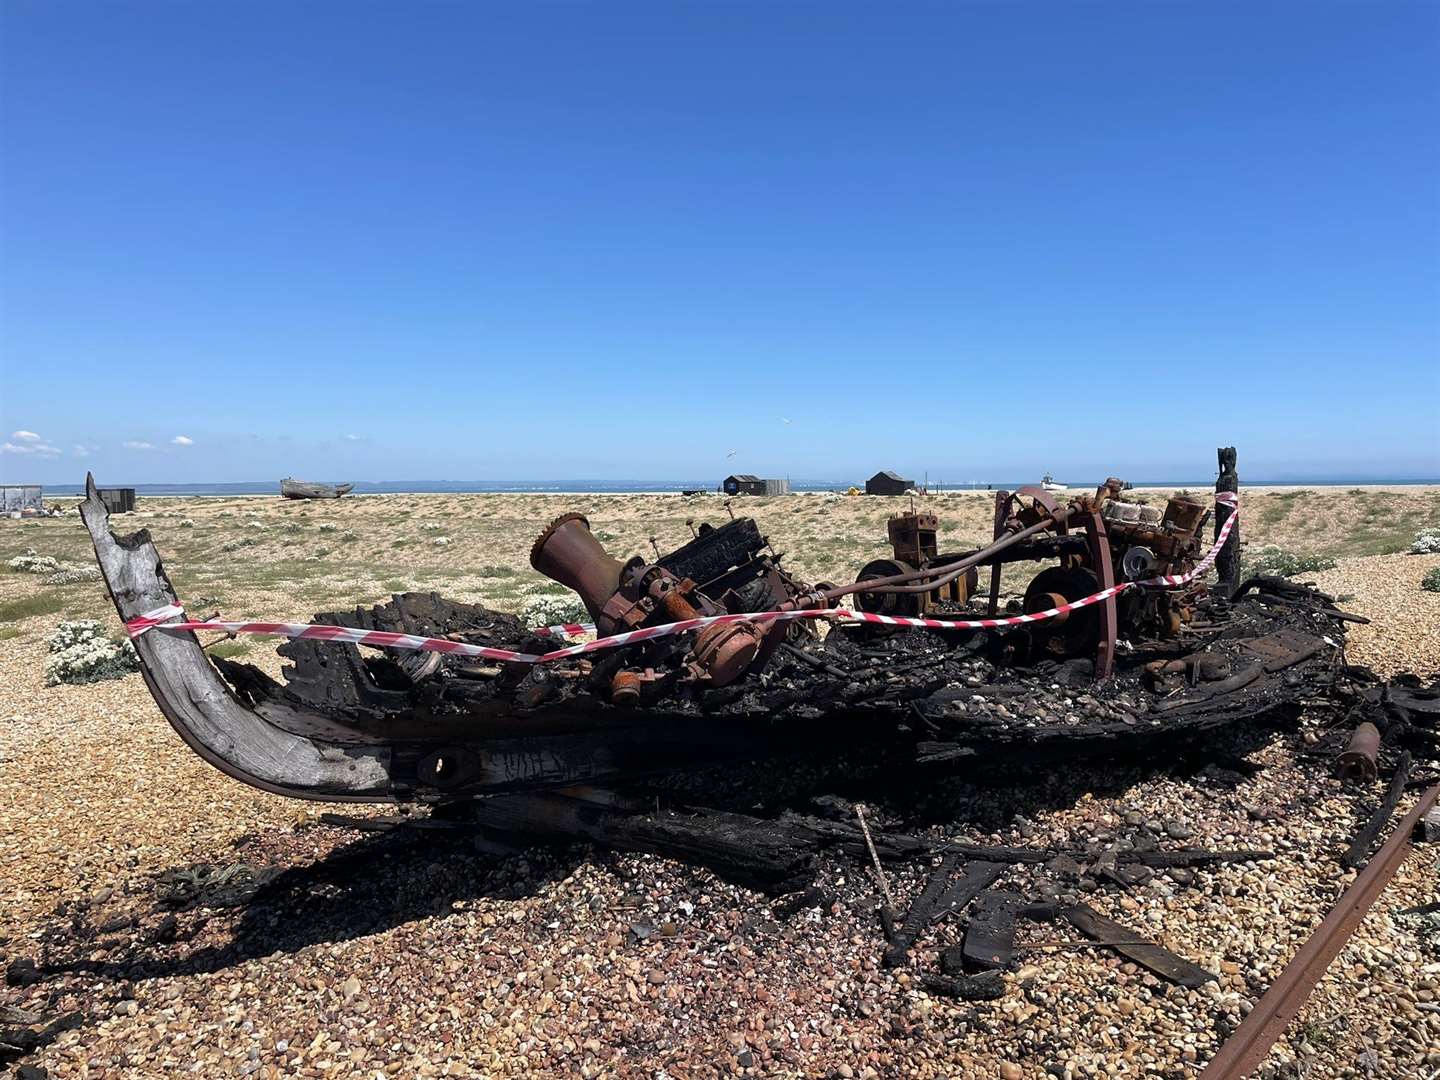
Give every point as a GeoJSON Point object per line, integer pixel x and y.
{"type": "Point", "coordinates": [888, 483]}
{"type": "Point", "coordinates": [117, 500]}
{"type": "Point", "coordinates": [745, 484]}
{"type": "Point", "coordinates": [20, 499]}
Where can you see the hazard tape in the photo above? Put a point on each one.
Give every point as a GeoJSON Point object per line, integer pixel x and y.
{"type": "Point", "coordinates": [384, 639]}
{"type": "Point", "coordinates": [159, 619]}
{"type": "Point", "coordinates": [569, 629]}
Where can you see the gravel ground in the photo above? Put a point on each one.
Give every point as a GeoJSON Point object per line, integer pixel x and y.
{"type": "Point", "coordinates": [1404, 632]}
{"type": "Point", "coordinates": [409, 954]}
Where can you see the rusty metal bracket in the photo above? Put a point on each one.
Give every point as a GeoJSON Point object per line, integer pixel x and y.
{"type": "Point", "coordinates": [1105, 574]}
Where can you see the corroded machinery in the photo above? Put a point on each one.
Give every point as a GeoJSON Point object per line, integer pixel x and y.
{"type": "Point", "coordinates": [1096, 541]}
{"type": "Point", "coordinates": [724, 570]}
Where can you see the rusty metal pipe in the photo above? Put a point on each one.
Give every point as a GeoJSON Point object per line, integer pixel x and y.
{"type": "Point", "coordinates": [938, 576]}
{"type": "Point", "coordinates": [1359, 762]}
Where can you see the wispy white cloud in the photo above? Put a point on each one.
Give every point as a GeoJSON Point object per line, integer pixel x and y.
{"type": "Point", "coordinates": [354, 438]}
{"type": "Point", "coordinates": [137, 444]}
{"type": "Point", "coordinates": [27, 442]}
{"type": "Point", "coordinates": [81, 450]}
{"type": "Point", "coordinates": [182, 440]}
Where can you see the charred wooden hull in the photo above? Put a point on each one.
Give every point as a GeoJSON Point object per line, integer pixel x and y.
{"type": "Point", "coordinates": [347, 726]}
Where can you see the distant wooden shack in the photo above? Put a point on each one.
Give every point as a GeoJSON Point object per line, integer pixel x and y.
{"type": "Point", "coordinates": [118, 500]}
{"type": "Point", "coordinates": [888, 483]}
{"type": "Point", "coordinates": [20, 499]}
{"type": "Point", "coordinates": [745, 484]}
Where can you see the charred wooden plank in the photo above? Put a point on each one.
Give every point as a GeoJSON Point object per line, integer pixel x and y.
{"type": "Point", "coordinates": [1123, 940]}
{"type": "Point", "coordinates": [921, 911]}
{"type": "Point", "coordinates": [979, 876]}
{"type": "Point", "coordinates": [1365, 839]}
{"type": "Point", "coordinates": [740, 848]}
{"type": "Point", "coordinates": [990, 938]}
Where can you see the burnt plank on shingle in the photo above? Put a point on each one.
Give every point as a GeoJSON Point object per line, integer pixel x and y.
{"type": "Point", "coordinates": [1133, 944]}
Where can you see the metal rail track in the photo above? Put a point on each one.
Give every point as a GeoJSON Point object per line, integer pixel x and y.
{"type": "Point", "coordinates": [1250, 1043]}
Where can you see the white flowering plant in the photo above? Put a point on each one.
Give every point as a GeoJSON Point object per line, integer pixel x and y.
{"type": "Point", "coordinates": [73, 575]}
{"type": "Point", "coordinates": [550, 609]}
{"type": "Point", "coordinates": [81, 653]}
{"type": "Point", "coordinates": [32, 562]}
{"type": "Point", "coordinates": [1427, 541]}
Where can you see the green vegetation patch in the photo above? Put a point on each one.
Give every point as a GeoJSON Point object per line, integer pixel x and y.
{"type": "Point", "coordinates": [27, 607]}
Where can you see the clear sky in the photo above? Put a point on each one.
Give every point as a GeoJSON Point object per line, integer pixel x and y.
{"type": "Point", "coordinates": [620, 240]}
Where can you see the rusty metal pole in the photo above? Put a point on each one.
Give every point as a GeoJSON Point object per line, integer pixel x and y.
{"type": "Point", "coordinates": [1227, 563]}
{"type": "Point", "coordinates": [1002, 500]}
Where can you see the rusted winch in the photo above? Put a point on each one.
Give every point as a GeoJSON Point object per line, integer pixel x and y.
{"type": "Point", "coordinates": [914, 540]}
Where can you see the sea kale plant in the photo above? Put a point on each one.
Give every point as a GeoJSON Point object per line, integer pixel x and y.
{"type": "Point", "coordinates": [1427, 541]}
{"type": "Point", "coordinates": [1272, 561]}
{"type": "Point", "coordinates": [81, 653]}
{"type": "Point", "coordinates": [32, 562]}
{"type": "Point", "coordinates": [552, 609]}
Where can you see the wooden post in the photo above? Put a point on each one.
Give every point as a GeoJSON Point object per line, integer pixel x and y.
{"type": "Point", "coordinates": [1227, 563]}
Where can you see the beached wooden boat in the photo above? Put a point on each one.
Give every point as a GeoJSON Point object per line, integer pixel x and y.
{"type": "Point", "coordinates": [352, 726]}
{"type": "Point", "coordinates": [304, 489]}
{"type": "Point", "coordinates": [516, 752]}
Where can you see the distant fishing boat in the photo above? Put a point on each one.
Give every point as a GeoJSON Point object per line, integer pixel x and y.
{"type": "Point", "coordinates": [304, 489]}
{"type": "Point", "coordinates": [1049, 483]}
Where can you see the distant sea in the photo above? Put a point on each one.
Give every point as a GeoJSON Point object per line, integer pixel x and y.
{"type": "Point", "coordinates": [455, 487]}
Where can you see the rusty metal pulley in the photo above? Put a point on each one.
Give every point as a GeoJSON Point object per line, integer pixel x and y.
{"type": "Point", "coordinates": [1074, 633]}
{"type": "Point", "coordinates": [908, 604]}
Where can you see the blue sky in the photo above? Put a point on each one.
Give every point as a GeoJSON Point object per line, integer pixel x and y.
{"type": "Point", "coordinates": [485, 241]}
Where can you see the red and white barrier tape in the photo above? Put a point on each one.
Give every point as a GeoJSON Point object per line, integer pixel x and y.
{"type": "Point", "coordinates": [159, 620]}
{"type": "Point", "coordinates": [567, 629]}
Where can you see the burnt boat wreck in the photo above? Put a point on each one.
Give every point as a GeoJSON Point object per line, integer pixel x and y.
{"type": "Point", "coordinates": [1134, 674]}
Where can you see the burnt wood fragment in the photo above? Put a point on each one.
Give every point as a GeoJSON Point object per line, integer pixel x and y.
{"type": "Point", "coordinates": [749, 851]}
{"type": "Point", "coordinates": [978, 876]}
{"type": "Point", "coordinates": [1123, 940]}
{"type": "Point", "coordinates": [1365, 839]}
{"type": "Point", "coordinates": [990, 938]}
{"type": "Point", "coordinates": [921, 911]}
{"type": "Point", "coordinates": [986, 986]}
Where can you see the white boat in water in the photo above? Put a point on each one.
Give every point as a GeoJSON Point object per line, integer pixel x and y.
{"type": "Point", "coordinates": [1049, 483]}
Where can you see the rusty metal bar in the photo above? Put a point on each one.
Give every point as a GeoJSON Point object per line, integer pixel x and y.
{"type": "Point", "coordinates": [1250, 1043]}
{"type": "Point", "coordinates": [938, 576]}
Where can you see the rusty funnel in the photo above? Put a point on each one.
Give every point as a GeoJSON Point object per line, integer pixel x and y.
{"type": "Point", "coordinates": [568, 552]}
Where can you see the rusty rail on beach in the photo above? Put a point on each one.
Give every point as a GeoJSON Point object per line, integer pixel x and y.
{"type": "Point", "coordinates": [1250, 1043]}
